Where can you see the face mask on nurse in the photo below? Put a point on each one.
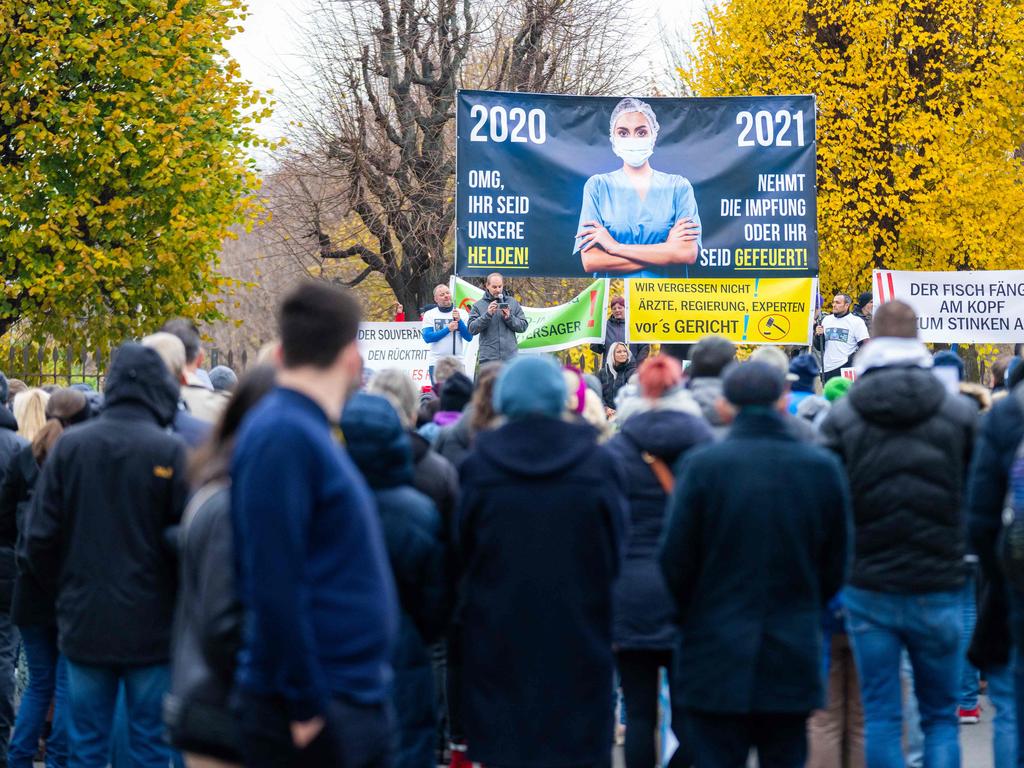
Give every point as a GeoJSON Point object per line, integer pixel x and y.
{"type": "Point", "coordinates": [634, 151]}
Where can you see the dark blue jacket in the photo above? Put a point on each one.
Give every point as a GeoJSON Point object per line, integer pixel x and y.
{"type": "Point", "coordinates": [1002, 429]}
{"type": "Point", "coordinates": [320, 608]}
{"type": "Point", "coordinates": [751, 558]}
{"type": "Point", "coordinates": [415, 541]}
{"type": "Point", "coordinates": [644, 611]}
{"type": "Point", "coordinates": [542, 522]}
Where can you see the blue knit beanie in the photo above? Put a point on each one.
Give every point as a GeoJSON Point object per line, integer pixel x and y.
{"type": "Point", "coordinates": [530, 385]}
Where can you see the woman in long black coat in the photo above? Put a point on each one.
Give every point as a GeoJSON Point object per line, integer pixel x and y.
{"type": "Point", "coordinates": [645, 634]}
{"type": "Point", "coordinates": [542, 518]}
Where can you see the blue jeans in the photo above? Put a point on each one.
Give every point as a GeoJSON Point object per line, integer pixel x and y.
{"type": "Point", "coordinates": [911, 715]}
{"type": "Point", "coordinates": [970, 681]}
{"type": "Point", "coordinates": [1004, 727]}
{"type": "Point", "coordinates": [92, 695]}
{"type": "Point", "coordinates": [47, 681]}
{"type": "Point", "coordinates": [881, 625]}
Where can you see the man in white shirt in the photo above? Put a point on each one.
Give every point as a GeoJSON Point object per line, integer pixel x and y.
{"type": "Point", "coordinates": [839, 335]}
{"type": "Point", "coordinates": [444, 330]}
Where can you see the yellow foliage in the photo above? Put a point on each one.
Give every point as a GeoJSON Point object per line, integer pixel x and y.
{"type": "Point", "coordinates": [920, 114]}
{"type": "Point", "coordinates": [123, 163]}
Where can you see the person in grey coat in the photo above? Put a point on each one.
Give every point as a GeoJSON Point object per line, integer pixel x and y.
{"type": "Point", "coordinates": [496, 319]}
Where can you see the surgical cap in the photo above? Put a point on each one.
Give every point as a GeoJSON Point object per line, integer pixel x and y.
{"type": "Point", "coordinates": [634, 105]}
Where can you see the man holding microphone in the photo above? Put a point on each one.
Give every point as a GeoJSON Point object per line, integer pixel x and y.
{"type": "Point", "coordinates": [443, 329]}
{"type": "Point", "coordinates": [838, 336]}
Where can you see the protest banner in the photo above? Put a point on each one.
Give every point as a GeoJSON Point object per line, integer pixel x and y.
{"type": "Point", "coordinates": [534, 169]}
{"type": "Point", "coordinates": [984, 307]}
{"type": "Point", "coordinates": [394, 345]}
{"type": "Point", "coordinates": [579, 321]}
{"type": "Point", "coordinates": [750, 311]}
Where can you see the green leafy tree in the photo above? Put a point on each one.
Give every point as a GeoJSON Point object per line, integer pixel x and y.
{"type": "Point", "coordinates": [123, 162]}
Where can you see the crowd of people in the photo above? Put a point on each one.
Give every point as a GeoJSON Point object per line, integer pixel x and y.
{"type": "Point", "coordinates": [305, 566]}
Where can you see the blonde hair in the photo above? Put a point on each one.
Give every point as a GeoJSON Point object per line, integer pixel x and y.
{"type": "Point", "coordinates": [30, 412]}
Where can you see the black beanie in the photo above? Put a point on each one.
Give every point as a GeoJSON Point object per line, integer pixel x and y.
{"type": "Point", "coordinates": [455, 392]}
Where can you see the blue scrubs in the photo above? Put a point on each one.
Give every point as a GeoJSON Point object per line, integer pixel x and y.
{"type": "Point", "coordinates": [611, 199]}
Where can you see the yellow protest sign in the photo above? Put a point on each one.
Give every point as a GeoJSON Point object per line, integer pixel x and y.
{"type": "Point", "coordinates": [746, 311]}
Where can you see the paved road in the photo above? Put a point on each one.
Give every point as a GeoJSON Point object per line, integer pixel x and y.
{"type": "Point", "coordinates": [975, 741]}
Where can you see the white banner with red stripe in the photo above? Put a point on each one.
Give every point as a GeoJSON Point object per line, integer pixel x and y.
{"type": "Point", "coordinates": [985, 307]}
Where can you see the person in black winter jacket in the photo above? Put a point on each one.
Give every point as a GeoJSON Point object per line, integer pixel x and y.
{"type": "Point", "coordinates": [542, 527]}
{"type": "Point", "coordinates": [751, 559]}
{"type": "Point", "coordinates": [208, 616]}
{"type": "Point", "coordinates": [416, 549]}
{"type": "Point", "coordinates": [32, 610]}
{"type": "Point", "coordinates": [10, 444]}
{"type": "Point", "coordinates": [644, 632]}
{"type": "Point", "coordinates": [906, 443]}
{"type": "Point", "coordinates": [615, 374]}
{"type": "Point", "coordinates": [98, 539]}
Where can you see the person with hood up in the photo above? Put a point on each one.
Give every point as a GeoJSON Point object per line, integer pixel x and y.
{"type": "Point", "coordinates": [615, 373]}
{"type": "Point", "coordinates": [906, 443]}
{"type": "Point", "coordinates": [97, 540]}
{"type": "Point", "coordinates": [496, 319]}
{"type": "Point", "coordinates": [708, 360]}
{"type": "Point", "coordinates": [750, 559]}
{"type": "Point", "coordinates": [805, 368]}
{"type": "Point", "coordinates": [31, 610]}
{"type": "Point", "coordinates": [615, 331]}
{"type": "Point", "coordinates": [647, 447]}
{"type": "Point", "coordinates": [416, 545]}
{"type": "Point", "coordinates": [542, 522]}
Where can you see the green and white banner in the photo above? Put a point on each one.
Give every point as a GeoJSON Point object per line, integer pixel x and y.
{"type": "Point", "coordinates": [579, 321]}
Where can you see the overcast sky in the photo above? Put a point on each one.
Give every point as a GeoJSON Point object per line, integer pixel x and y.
{"type": "Point", "coordinates": [268, 49]}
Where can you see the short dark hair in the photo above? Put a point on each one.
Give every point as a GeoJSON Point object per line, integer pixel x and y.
{"type": "Point", "coordinates": [188, 332]}
{"type": "Point", "coordinates": [895, 319]}
{"type": "Point", "coordinates": [316, 321]}
{"type": "Point", "coordinates": [710, 356]}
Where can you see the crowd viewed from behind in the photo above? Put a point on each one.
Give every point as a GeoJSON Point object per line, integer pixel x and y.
{"type": "Point", "coordinates": [302, 567]}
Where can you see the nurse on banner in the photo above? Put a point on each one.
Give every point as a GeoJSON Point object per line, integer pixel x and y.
{"type": "Point", "coordinates": [636, 221]}
{"type": "Point", "coordinates": [444, 330]}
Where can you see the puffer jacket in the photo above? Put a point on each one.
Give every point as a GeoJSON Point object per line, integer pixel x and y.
{"type": "Point", "coordinates": [644, 615]}
{"type": "Point", "coordinates": [98, 537]}
{"type": "Point", "coordinates": [613, 379]}
{"type": "Point", "coordinates": [906, 444]}
{"type": "Point", "coordinates": [415, 540]}
{"type": "Point", "coordinates": [497, 335]}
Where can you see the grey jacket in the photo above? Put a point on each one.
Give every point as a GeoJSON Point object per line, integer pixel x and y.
{"type": "Point", "coordinates": [497, 335]}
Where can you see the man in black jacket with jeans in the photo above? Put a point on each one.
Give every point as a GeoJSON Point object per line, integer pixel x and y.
{"type": "Point", "coordinates": [906, 443]}
{"type": "Point", "coordinates": [98, 541]}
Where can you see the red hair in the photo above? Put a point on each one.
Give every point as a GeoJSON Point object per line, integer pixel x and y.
{"type": "Point", "coordinates": [659, 374]}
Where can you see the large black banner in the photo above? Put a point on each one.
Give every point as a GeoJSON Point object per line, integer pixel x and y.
{"type": "Point", "coordinates": [574, 186]}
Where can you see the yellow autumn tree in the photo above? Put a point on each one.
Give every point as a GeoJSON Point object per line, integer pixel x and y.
{"type": "Point", "coordinates": [920, 114]}
{"type": "Point", "coordinates": [123, 162]}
